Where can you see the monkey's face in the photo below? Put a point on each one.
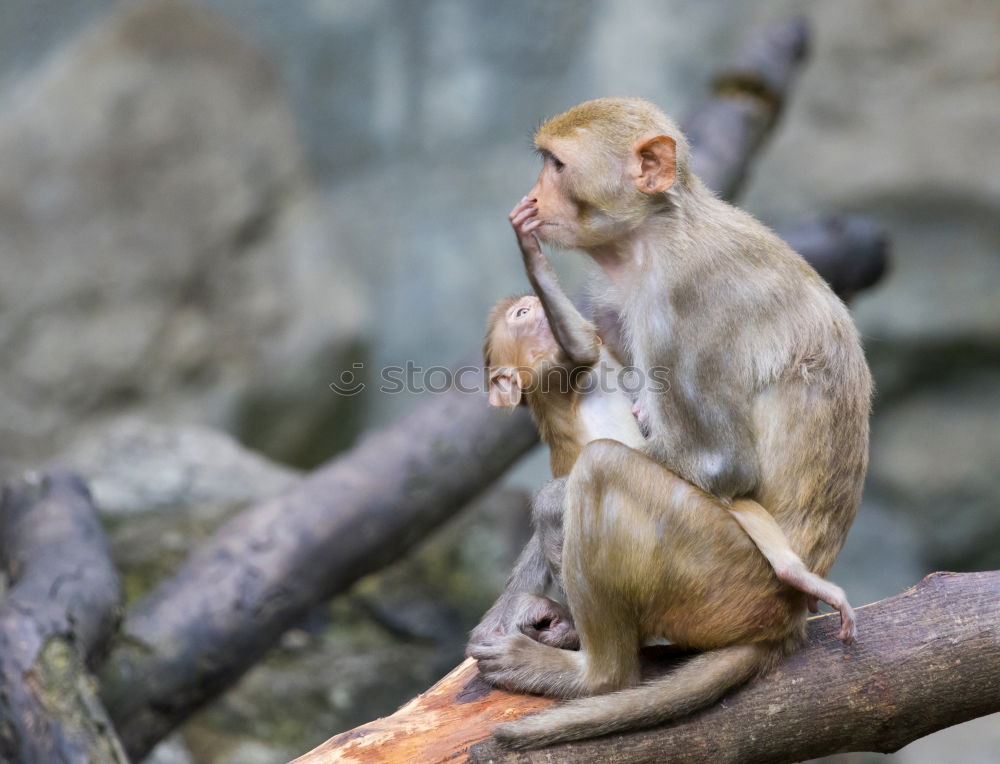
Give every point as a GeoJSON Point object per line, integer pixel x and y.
{"type": "Point", "coordinates": [584, 196]}
{"type": "Point", "coordinates": [528, 324]}
{"type": "Point", "coordinates": [518, 340]}
{"type": "Point", "coordinates": [607, 166]}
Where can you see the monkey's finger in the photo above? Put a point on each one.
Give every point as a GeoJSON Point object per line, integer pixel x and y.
{"type": "Point", "coordinates": [482, 651]}
{"type": "Point", "coordinates": [519, 206]}
{"type": "Point", "coordinates": [520, 217]}
{"type": "Point", "coordinates": [531, 225]}
{"type": "Point", "coordinates": [813, 604]}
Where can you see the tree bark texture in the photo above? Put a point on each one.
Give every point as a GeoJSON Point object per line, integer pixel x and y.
{"type": "Point", "coordinates": [55, 622]}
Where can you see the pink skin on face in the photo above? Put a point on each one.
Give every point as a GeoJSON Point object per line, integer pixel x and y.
{"type": "Point", "coordinates": [527, 316]}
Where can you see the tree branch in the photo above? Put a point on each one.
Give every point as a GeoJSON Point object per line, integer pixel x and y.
{"type": "Point", "coordinates": [726, 130]}
{"type": "Point", "coordinates": [927, 659]}
{"type": "Point", "coordinates": [55, 621]}
{"type": "Point", "coordinates": [849, 251]}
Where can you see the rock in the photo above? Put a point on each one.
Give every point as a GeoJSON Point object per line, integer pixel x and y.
{"type": "Point", "coordinates": [161, 490]}
{"type": "Point", "coordinates": [163, 246]}
{"type": "Point", "coordinates": [894, 104]}
{"type": "Point", "coordinates": [135, 467]}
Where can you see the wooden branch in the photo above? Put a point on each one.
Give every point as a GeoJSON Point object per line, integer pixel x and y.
{"type": "Point", "coordinates": [926, 659]}
{"type": "Point", "coordinates": [850, 252]}
{"type": "Point", "coordinates": [55, 621]}
{"type": "Point", "coordinates": [262, 571]}
{"type": "Point", "coordinates": [727, 130]}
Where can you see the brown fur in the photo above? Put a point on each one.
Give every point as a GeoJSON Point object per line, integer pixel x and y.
{"type": "Point", "coordinates": [767, 406]}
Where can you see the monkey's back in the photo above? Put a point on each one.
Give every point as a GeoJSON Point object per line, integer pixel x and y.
{"type": "Point", "coordinates": [769, 391]}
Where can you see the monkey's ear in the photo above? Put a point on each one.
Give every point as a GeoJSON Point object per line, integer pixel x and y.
{"type": "Point", "coordinates": [654, 164]}
{"type": "Point", "coordinates": [505, 389]}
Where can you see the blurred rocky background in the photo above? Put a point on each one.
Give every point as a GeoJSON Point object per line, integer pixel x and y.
{"type": "Point", "coordinates": [211, 210]}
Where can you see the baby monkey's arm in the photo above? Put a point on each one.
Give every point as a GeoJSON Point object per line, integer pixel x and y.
{"type": "Point", "coordinates": [575, 334]}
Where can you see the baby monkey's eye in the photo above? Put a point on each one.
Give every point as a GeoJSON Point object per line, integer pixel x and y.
{"type": "Point", "coordinates": [558, 165]}
{"type": "Point", "coordinates": [522, 312]}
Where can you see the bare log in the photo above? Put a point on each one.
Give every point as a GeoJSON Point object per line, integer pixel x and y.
{"type": "Point", "coordinates": [262, 571]}
{"type": "Point", "coordinates": [927, 659]}
{"type": "Point", "coordinates": [55, 622]}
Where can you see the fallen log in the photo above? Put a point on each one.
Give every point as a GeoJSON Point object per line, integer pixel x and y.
{"type": "Point", "coordinates": [55, 623]}
{"type": "Point", "coordinates": [927, 659]}
{"type": "Point", "coordinates": [265, 569]}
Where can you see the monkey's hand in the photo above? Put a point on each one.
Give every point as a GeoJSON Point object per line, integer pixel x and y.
{"type": "Point", "coordinates": [524, 219]}
{"type": "Point", "coordinates": [537, 617]}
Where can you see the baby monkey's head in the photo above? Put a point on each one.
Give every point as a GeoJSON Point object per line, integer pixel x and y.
{"type": "Point", "coordinates": [517, 346]}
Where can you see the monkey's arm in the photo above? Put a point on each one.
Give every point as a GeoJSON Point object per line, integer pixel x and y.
{"type": "Point", "coordinates": [762, 529]}
{"type": "Point", "coordinates": [575, 334]}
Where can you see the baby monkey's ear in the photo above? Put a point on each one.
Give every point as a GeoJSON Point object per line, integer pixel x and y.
{"type": "Point", "coordinates": [505, 388]}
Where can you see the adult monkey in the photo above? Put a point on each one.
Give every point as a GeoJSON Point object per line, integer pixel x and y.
{"type": "Point", "coordinates": [768, 399]}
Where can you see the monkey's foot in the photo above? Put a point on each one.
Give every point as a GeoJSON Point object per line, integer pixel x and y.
{"type": "Point", "coordinates": [518, 663]}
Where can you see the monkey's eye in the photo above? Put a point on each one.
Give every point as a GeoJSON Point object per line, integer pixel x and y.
{"type": "Point", "coordinates": [522, 312]}
{"type": "Point", "coordinates": [557, 164]}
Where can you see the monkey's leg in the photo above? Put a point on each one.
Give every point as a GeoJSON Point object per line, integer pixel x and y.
{"type": "Point", "coordinates": [788, 566]}
{"type": "Point", "coordinates": [608, 658]}
{"type": "Point", "coordinates": [522, 607]}
{"type": "Point", "coordinates": [608, 626]}
{"type": "Point", "coordinates": [601, 528]}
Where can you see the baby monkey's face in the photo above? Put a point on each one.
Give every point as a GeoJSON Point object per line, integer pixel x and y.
{"type": "Point", "coordinates": [527, 322]}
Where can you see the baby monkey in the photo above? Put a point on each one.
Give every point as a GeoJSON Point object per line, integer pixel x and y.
{"type": "Point", "coordinates": [542, 351]}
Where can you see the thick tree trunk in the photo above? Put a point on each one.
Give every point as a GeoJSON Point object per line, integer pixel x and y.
{"type": "Point", "coordinates": [926, 659]}
{"type": "Point", "coordinates": [55, 620]}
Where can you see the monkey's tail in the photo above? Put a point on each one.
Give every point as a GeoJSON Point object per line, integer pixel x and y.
{"type": "Point", "coordinates": [695, 684]}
